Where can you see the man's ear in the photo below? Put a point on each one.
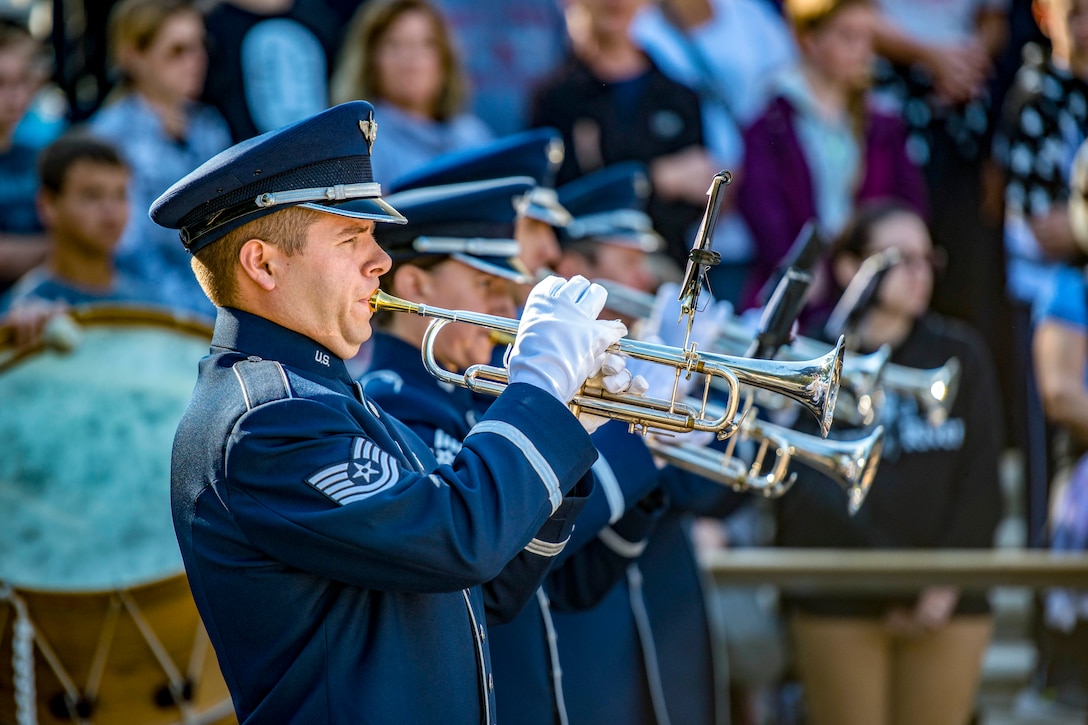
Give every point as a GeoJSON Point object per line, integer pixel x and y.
{"type": "Point", "coordinates": [412, 283]}
{"type": "Point", "coordinates": [844, 267]}
{"type": "Point", "coordinates": [260, 262]}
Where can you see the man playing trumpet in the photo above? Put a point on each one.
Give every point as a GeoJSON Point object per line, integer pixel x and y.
{"type": "Point", "coordinates": [334, 561]}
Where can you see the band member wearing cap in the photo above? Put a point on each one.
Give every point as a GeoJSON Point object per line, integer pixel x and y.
{"type": "Point", "coordinates": [645, 654]}
{"type": "Point", "coordinates": [458, 250]}
{"type": "Point", "coordinates": [536, 153]}
{"type": "Point", "coordinates": [334, 561]}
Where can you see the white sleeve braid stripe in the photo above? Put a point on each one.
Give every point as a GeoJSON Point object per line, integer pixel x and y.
{"type": "Point", "coordinates": [545, 548]}
{"type": "Point", "coordinates": [540, 465]}
{"type": "Point", "coordinates": [611, 487]}
{"type": "Point", "coordinates": [621, 546]}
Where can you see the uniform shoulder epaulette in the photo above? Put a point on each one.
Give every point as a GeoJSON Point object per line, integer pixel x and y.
{"type": "Point", "coordinates": [262, 381]}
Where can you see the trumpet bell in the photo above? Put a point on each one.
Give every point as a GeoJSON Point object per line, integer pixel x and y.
{"type": "Point", "coordinates": [933, 389]}
{"type": "Point", "coordinates": [812, 383]}
{"type": "Point", "coordinates": [850, 463]}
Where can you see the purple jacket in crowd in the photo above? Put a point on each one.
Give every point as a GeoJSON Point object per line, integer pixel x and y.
{"type": "Point", "coordinates": [775, 193]}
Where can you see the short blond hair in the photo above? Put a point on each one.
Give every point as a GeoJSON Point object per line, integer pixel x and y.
{"type": "Point", "coordinates": [215, 266]}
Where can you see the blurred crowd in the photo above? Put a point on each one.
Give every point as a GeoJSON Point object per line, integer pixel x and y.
{"type": "Point", "coordinates": [949, 129]}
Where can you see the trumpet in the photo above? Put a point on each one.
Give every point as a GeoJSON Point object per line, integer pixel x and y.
{"type": "Point", "coordinates": [933, 389]}
{"type": "Point", "coordinates": [852, 464]}
{"type": "Point", "coordinates": [813, 383]}
{"type": "Point", "coordinates": [858, 375]}
{"type": "Point", "coordinates": [861, 374]}
{"type": "Point", "coordinates": [864, 376]}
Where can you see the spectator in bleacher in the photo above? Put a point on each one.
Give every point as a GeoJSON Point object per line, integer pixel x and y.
{"type": "Point", "coordinates": [83, 202]}
{"type": "Point", "coordinates": [154, 119]}
{"type": "Point", "coordinates": [1044, 121]}
{"type": "Point", "coordinates": [902, 659]}
{"type": "Point", "coordinates": [724, 50]}
{"type": "Point", "coordinates": [820, 148]}
{"type": "Point", "coordinates": [22, 244]}
{"type": "Point", "coordinates": [1059, 682]}
{"type": "Point", "coordinates": [612, 104]}
{"type": "Point", "coordinates": [398, 54]}
{"type": "Point", "coordinates": [272, 60]}
{"type": "Point", "coordinates": [936, 70]}
{"type": "Point", "coordinates": [510, 47]}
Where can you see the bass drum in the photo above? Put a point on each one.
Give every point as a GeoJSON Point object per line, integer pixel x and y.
{"type": "Point", "coordinates": [97, 623]}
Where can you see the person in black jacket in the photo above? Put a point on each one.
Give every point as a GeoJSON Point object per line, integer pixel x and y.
{"type": "Point", "coordinates": [911, 659]}
{"type": "Point", "coordinates": [612, 104]}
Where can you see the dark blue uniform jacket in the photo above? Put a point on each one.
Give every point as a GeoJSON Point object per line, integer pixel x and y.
{"type": "Point", "coordinates": [335, 562]}
{"type": "Point", "coordinates": [608, 534]}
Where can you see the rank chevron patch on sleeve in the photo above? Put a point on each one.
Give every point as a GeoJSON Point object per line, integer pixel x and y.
{"type": "Point", "coordinates": [369, 471]}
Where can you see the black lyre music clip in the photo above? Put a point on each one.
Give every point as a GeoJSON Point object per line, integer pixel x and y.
{"type": "Point", "coordinates": [701, 257]}
{"type": "Point", "coordinates": [860, 294]}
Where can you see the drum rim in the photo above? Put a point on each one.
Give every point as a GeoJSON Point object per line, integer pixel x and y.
{"type": "Point", "coordinates": [101, 313]}
{"type": "Point", "coordinates": [119, 314]}
{"type": "Point", "coordinates": [135, 586]}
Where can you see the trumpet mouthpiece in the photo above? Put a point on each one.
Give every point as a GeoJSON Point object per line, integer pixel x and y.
{"type": "Point", "coordinates": [382, 301]}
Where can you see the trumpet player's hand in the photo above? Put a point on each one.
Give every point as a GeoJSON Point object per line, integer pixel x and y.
{"type": "Point", "coordinates": [616, 379]}
{"type": "Point", "coordinates": [560, 342]}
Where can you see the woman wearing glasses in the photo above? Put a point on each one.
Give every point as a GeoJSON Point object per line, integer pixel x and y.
{"type": "Point", "coordinates": [889, 659]}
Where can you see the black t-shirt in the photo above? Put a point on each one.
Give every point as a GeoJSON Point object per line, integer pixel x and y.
{"type": "Point", "coordinates": [936, 486]}
{"type": "Point", "coordinates": [636, 119]}
{"type": "Point", "coordinates": [266, 71]}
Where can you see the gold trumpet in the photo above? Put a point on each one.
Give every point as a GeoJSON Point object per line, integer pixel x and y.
{"type": "Point", "coordinates": [813, 383]}
{"type": "Point", "coordinates": [852, 464]}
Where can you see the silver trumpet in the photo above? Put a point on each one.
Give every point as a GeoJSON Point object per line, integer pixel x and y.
{"type": "Point", "coordinates": [933, 389]}
{"type": "Point", "coordinates": [813, 383]}
{"type": "Point", "coordinates": [852, 464]}
{"type": "Point", "coordinates": [865, 377]}
{"type": "Point", "coordinates": [861, 374]}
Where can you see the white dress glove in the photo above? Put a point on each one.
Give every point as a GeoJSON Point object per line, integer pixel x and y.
{"type": "Point", "coordinates": [560, 342]}
{"type": "Point", "coordinates": [616, 379]}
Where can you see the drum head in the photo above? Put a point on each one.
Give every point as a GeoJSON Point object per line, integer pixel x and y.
{"type": "Point", "coordinates": [85, 472]}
